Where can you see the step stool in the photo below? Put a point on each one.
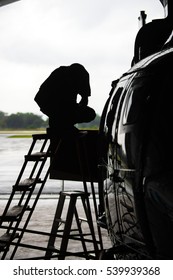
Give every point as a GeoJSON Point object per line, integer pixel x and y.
{"type": "Point", "coordinates": [67, 233]}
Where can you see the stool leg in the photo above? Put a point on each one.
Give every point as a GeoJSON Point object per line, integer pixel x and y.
{"type": "Point", "coordinates": [67, 228]}
{"type": "Point", "coordinates": [81, 234]}
{"type": "Point", "coordinates": [55, 226]}
{"type": "Point", "coordinates": [90, 223]}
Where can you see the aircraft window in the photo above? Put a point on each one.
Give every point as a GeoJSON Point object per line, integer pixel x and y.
{"type": "Point", "coordinates": [133, 104]}
{"type": "Point", "coordinates": [113, 108]}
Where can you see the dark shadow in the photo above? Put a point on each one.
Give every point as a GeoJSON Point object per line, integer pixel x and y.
{"type": "Point", "coordinates": [151, 38]}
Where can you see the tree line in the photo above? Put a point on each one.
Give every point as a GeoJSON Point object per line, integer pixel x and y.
{"type": "Point", "coordinates": [21, 121]}
{"type": "Point", "coordinates": [33, 121]}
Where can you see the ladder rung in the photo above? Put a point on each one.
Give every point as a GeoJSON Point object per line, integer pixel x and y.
{"type": "Point", "coordinates": [40, 136]}
{"type": "Point", "coordinates": [12, 214]}
{"type": "Point", "coordinates": [26, 184]}
{"type": "Point", "coordinates": [75, 193]}
{"type": "Point", "coordinates": [36, 156]}
{"type": "Point", "coordinates": [5, 239]}
{"type": "Point", "coordinates": [83, 219]}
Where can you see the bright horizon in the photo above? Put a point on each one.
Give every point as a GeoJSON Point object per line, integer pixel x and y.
{"type": "Point", "coordinates": [38, 36]}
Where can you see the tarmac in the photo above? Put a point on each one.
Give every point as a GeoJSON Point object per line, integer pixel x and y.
{"type": "Point", "coordinates": [41, 221]}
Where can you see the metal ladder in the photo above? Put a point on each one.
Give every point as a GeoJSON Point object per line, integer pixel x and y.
{"type": "Point", "coordinates": [64, 229]}
{"type": "Point", "coordinates": [22, 192]}
{"type": "Point", "coordinates": [18, 216]}
{"type": "Point", "coordinates": [67, 233]}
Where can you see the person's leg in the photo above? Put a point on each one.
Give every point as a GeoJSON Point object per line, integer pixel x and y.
{"type": "Point", "coordinates": [66, 119]}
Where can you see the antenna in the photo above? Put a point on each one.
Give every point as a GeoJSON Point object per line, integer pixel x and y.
{"type": "Point", "coordinates": [142, 19]}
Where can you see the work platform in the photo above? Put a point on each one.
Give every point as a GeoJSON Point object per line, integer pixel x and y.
{"type": "Point", "coordinates": [80, 158]}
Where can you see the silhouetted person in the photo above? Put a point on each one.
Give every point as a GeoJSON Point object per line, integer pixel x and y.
{"type": "Point", "coordinates": [57, 97]}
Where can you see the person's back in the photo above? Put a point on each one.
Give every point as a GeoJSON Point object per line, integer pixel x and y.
{"type": "Point", "coordinates": [57, 96]}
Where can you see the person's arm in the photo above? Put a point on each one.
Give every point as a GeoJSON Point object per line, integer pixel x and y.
{"type": "Point", "coordinates": [84, 101]}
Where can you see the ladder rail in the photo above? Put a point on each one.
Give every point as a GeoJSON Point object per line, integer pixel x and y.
{"type": "Point", "coordinates": [18, 178]}
{"type": "Point", "coordinates": [36, 163]}
{"type": "Point", "coordinates": [83, 160]}
{"type": "Point", "coordinates": [27, 193]}
{"type": "Point", "coordinates": [25, 162]}
{"type": "Point", "coordinates": [34, 203]}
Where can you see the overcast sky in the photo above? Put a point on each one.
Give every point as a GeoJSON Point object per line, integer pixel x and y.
{"type": "Point", "coordinates": [38, 36]}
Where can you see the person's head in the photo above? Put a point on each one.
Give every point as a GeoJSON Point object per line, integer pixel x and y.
{"type": "Point", "coordinates": [81, 77]}
{"type": "Point", "coordinates": [77, 67]}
